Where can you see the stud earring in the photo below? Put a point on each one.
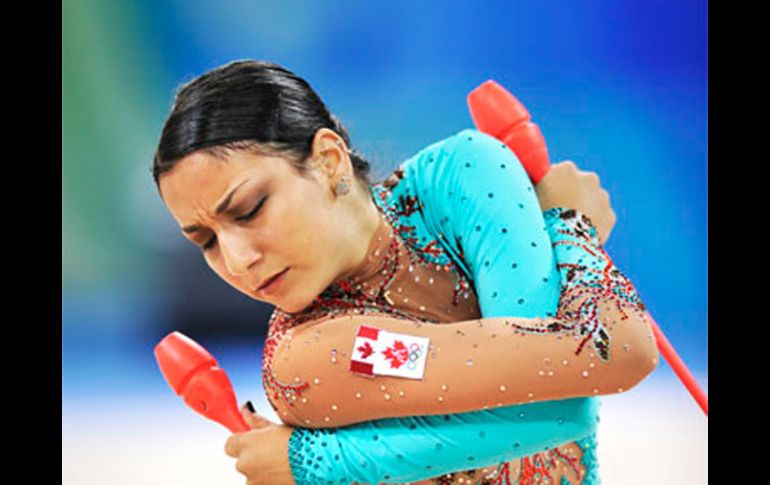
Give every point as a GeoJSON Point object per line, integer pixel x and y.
{"type": "Point", "coordinates": [342, 187]}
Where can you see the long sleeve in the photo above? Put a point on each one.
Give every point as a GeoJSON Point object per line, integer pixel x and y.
{"type": "Point", "coordinates": [515, 277]}
{"type": "Point", "coordinates": [411, 448]}
{"type": "Point", "coordinates": [400, 450]}
{"type": "Point", "coordinates": [599, 343]}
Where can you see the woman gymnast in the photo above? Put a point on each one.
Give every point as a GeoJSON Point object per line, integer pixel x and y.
{"type": "Point", "coordinates": [450, 323]}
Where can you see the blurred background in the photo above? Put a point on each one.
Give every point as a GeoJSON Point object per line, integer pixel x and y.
{"type": "Point", "coordinates": [620, 88]}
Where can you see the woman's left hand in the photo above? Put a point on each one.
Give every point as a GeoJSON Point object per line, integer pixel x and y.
{"type": "Point", "coordinates": [263, 452]}
{"type": "Point", "coordinates": [565, 185]}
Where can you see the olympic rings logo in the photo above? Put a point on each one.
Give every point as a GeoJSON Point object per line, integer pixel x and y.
{"type": "Point", "coordinates": [416, 351]}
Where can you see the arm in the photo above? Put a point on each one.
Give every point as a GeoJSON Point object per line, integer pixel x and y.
{"type": "Point", "coordinates": [599, 343]}
{"type": "Point", "coordinates": [535, 282]}
{"type": "Point", "coordinates": [419, 447]}
{"type": "Point", "coordinates": [399, 450]}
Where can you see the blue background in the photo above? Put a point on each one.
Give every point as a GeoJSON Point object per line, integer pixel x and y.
{"type": "Point", "coordinates": [621, 88]}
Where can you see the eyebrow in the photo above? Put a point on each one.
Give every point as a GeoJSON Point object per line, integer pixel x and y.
{"type": "Point", "coordinates": [221, 207]}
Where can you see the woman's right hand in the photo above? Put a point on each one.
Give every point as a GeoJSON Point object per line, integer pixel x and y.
{"type": "Point", "coordinates": [262, 453]}
{"type": "Point", "coordinates": [564, 185]}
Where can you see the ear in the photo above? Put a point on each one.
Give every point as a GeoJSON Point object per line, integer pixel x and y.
{"type": "Point", "coordinates": [329, 155]}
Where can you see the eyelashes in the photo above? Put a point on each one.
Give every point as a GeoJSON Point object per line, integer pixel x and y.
{"type": "Point", "coordinates": [210, 243]}
{"type": "Point", "coordinates": [253, 211]}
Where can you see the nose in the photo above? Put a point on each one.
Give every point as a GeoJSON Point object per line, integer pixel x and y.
{"type": "Point", "coordinates": [239, 255]}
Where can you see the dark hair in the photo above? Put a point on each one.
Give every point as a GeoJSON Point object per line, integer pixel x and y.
{"type": "Point", "coordinates": [248, 105]}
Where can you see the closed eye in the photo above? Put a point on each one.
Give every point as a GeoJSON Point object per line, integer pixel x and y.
{"type": "Point", "coordinates": [253, 211]}
{"type": "Point", "coordinates": [210, 243]}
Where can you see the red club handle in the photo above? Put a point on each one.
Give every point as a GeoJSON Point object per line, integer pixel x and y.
{"type": "Point", "coordinates": [193, 373]}
{"type": "Point", "coordinates": [680, 369]}
{"type": "Point", "coordinates": [496, 112]}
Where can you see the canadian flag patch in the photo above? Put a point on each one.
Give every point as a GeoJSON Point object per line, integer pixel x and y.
{"type": "Point", "coordinates": [378, 352]}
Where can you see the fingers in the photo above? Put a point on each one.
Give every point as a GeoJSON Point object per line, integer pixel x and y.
{"type": "Point", "coordinates": [254, 420]}
{"type": "Point", "coordinates": [612, 216]}
{"type": "Point", "coordinates": [566, 168]}
{"type": "Point", "coordinates": [593, 178]}
{"type": "Point", "coordinates": [569, 166]}
{"type": "Point", "coordinates": [240, 467]}
{"type": "Point", "coordinates": [233, 446]}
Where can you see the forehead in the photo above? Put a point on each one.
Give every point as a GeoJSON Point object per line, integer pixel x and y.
{"type": "Point", "coordinates": [201, 180]}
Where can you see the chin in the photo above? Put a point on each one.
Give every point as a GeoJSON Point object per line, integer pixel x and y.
{"type": "Point", "coordinates": [292, 307]}
{"type": "Point", "coordinates": [298, 299]}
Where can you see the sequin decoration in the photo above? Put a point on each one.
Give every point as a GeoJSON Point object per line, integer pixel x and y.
{"type": "Point", "coordinates": [398, 259]}
{"type": "Point", "coordinates": [433, 262]}
{"type": "Point", "coordinates": [586, 284]}
{"type": "Point", "coordinates": [532, 470]}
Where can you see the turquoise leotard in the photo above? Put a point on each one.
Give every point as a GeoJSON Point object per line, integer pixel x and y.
{"type": "Point", "coordinates": [477, 194]}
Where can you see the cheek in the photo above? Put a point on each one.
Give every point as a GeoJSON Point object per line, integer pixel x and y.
{"type": "Point", "coordinates": [218, 266]}
{"type": "Point", "coordinates": [313, 239]}
{"type": "Point", "coordinates": [298, 229]}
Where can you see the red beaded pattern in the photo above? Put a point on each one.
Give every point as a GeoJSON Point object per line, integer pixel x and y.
{"type": "Point", "coordinates": [432, 252]}
{"type": "Point", "coordinates": [589, 286]}
{"type": "Point", "coordinates": [531, 472]}
{"type": "Point", "coordinates": [343, 298]}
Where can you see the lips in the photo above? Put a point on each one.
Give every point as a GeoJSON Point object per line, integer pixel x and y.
{"type": "Point", "coordinates": [271, 279]}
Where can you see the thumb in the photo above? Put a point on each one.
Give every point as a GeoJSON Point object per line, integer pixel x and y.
{"type": "Point", "coordinates": [254, 420]}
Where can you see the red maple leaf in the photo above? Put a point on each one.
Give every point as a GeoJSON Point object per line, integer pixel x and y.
{"type": "Point", "coordinates": [397, 355]}
{"type": "Point", "coordinates": [366, 350]}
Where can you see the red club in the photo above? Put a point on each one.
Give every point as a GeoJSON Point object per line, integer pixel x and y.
{"type": "Point", "coordinates": [193, 373]}
{"type": "Point", "coordinates": [496, 112]}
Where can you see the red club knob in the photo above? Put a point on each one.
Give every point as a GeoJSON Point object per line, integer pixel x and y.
{"type": "Point", "coordinates": [496, 112]}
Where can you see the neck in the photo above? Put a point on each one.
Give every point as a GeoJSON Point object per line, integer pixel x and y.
{"type": "Point", "coordinates": [368, 222]}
